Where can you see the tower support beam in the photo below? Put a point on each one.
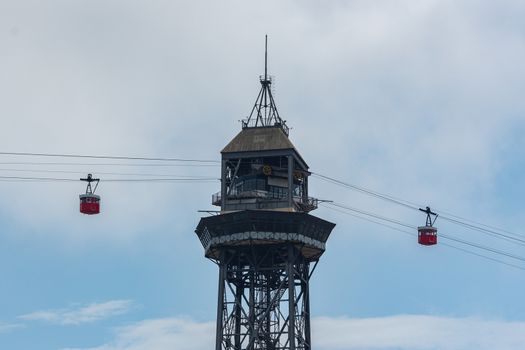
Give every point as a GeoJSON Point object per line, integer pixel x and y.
{"type": "Point", "coordinates": [262, 296]}
{"type": "Point", "coordinates": [220, 302]}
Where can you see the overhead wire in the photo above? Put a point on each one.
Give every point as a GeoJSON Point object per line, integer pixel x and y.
{"type": "Point", "coordinates": [370, 214]}
{"type": "Point", "coordinates": [200, 162]}
{"type": "Point", "coordinates": [483, 247]}
{"type": "Point", "coordinates": [164, 180]}
{"type": "Point", "coordinates": [413, 235]}
{"type": "Point", "coordinates": [98, 173]}
{"type": "Point", "coordinates": [35, 178]}
{"type": "Point", "coordinates": [458, 240]}
{"type": "Point", "coordinates": [481, 224]}
{"type": "Point", "coordinates": [442, 243]}
{"type": "Point", "coordinates": [503, 234]}
{"type": "Point", "coordinates": [484, 256]}
{"type": "Point", "coordinates": [484, 230]}
{"type": "Point", "coordinates": [373, 193]}
{"type": "Point", "coordinates": [167, 162]}
{"type": "Point", "coordinates": [182, 179]}
{"type": "Point", "coordinates": [111, 164]}
{"type": "Point", "coordinates": [108, 157]}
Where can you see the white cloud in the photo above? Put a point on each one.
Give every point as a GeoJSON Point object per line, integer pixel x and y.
{"type": "Point", "coordinates": [8, 327]}
{"type": "Point", "coordinates": [82, 314]}
{"type": "Point", "coordinates": [398, 86]}
{"type": "Point", "coordinates": [417, 332]}
{"type": "Point", "coordinates": [164, 333]}
{"type": "Point", "coordinates": [409, 332]}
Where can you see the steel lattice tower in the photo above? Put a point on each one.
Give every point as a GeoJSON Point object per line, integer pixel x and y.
{"type": "Point", "coordinates": [263, 239]}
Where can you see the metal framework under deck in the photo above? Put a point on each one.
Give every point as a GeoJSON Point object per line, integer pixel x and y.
{"type": "Point", "coordinates": [263, 298]}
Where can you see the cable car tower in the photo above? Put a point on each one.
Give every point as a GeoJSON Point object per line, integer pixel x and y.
{"type": "Point", "coordinates": [263, 240]}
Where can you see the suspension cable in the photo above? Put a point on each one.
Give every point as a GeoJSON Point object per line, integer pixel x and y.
{"type": "Point", "coordinates": [107, 157]}
{"type": "Point", "coordinates": [475, 245]}
{"type": "Point", "coordinates": [489, 230]}
{"type": "Point", "coordinates": [181, 179]}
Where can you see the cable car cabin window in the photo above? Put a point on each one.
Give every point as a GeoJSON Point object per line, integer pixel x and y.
{"type": "Point", "coordinates": [89, 199]}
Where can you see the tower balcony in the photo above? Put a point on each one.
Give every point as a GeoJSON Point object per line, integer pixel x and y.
{"type": "Point", "coordinates": [259, 199]}
{"type": "Point", "coordinates": [264, 227]}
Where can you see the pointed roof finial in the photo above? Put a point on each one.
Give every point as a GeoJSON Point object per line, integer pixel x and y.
{"type": "Point", "coordinates": [264, 113]}
{"type": "Point", "coordinates": [266, 57]}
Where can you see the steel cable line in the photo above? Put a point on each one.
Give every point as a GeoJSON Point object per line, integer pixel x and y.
{"type": "Point", "coordinates": [414, 235]}
{"type": "Point", "coordinates": [489, 231]}
{"type": "Point", "coordinates": [475, 245]}
{"type": "Point", "coordinates": [485, 230]}
{"type": "Point", "coordinates": [483, 256]}
{"type": "Point", "coordinates": [35, 178]}
{"type": "Point", "coordinates": [366, 219]}
{"type": "Point", "coordinates": [25, 180]}
{"type": "Point", "coordinates": [479, 223]}
{"type": "Point", "coordinates": [204, 179]}
{"type": "Point", "coordinates": [479, 246]}
{"type": "Point", "coordinates": [182, 179]}
{"type": "Point", "coordinates": [370, 214]}
{"type": "Point", "coordinates": [110, 164]}
{"type": "Point", "coordinates": [444, 244]}
{"type": "Point", "coordinates": [107, 157]}
{"type": "Point", "coordinates": [210, 180]}
{"type": "Point", "coordinates": [98, 172]}
{"type": "Point", "coordinates": [369, 192]}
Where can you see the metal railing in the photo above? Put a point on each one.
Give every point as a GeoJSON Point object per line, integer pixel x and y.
{"type": "Point", "coordinates": [305, 204]}
{"type": "Point", "coordinates": [216, 199]}
{"type": "Point", "coordinates": [252, 123]}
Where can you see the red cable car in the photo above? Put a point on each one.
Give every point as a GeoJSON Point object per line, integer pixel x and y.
{"type": "Point", "coordinates": [427, 235]}
{"type": "Point", "coordinates": [90, 202]}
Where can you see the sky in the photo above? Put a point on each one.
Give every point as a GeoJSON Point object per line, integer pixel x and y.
{"type": "Point", "coordinates": [420, 100]}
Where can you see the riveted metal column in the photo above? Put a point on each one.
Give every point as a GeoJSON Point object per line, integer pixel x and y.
{"type": "Point", "coordinates": [291, 296]}
{"type": "Point", "coordinates": [251, 308]}
{"type": "Point", "coordinates": [220, 303]}
{"type": "Point", "coordinates": [306, 296]}
{"type": "Point", "coordinates": [267, 331]}
{"type": "Point", "coordinates": [238, 310]}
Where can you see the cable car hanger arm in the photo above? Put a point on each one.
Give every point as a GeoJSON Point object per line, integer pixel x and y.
{"type": "Point", "coordinates": [429, 217]}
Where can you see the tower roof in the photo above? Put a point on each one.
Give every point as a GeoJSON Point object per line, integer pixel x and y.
{"type": "Point", "coordinates": [259, 139]}
{"type": "Point", "coordinates": [262, 139]}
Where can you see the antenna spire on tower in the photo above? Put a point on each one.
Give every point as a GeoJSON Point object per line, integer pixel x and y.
{"type": "Point", "coordinates": [264, 112]}
{"type": "Point", "coordinates": [266, 57]}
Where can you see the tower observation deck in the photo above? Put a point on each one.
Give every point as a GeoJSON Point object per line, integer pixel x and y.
{"type": "Point", "coordinates": [263, 239]}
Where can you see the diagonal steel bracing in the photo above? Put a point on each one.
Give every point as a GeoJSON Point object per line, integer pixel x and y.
{"type": "Point", "coordinates": [263, 298]}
